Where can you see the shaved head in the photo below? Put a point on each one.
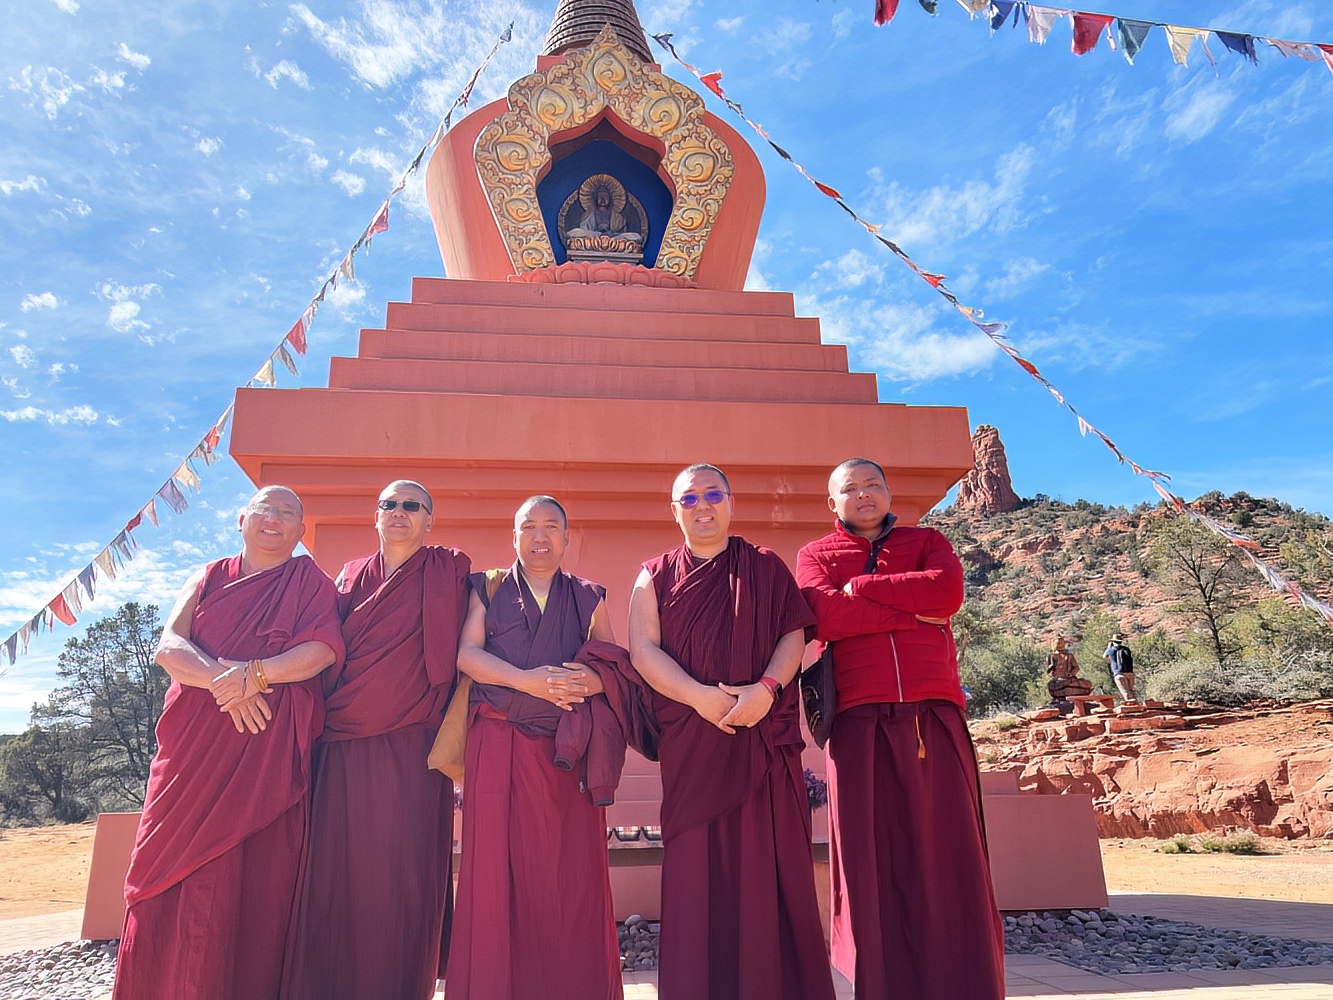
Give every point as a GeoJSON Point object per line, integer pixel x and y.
{"type": "Point", "coordinates": [414, 487]}
{"type": "Point", "coordinates": [700, 467]}
{"type": "Point", "coordinates": [850, 464]}
{"type": "Point", "coordinates": [276, 494]}
{"type": "Point", "coordinates": [540, 500]}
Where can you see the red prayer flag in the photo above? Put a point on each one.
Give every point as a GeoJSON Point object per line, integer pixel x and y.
{"type": "Point", "coordinates": [135, 521]}
{"type": "Point", "coordinates": [884, 11]}
{"type": "Point", "coordinates": [381, 223]}
{"type": "Point", "coordinates": [213, 438]}
{"type": "Point", "coordinates": [1028, 366]}
{"type": "Point", "coordinates": [713, 82]}
{"type": "Point", "coordinates": [61, 610]}
{"type": "Point", "coordinates": [1088, 30]}
{"type": "Point", "coordinates": [831, 192]}
{"type": "Point", "coordinates": [1327, 52]}
{"type": "Point", "coordinates": [296, 336]}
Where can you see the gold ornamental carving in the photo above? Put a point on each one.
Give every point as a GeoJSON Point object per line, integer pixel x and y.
{"type": "Point", "coordinates": [604, 76]}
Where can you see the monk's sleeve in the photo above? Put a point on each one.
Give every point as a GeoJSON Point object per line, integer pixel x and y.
{"type": "Point", "coordinates": [934, 590]}
{"type": "Point", "coordinates": [789, 608]}
{"type": "Point", "coordinates": [839, 615]}
{"type": "Point", "coordinates": [625, 692]}
{"type": "Point", "coordinates": [318, 619]}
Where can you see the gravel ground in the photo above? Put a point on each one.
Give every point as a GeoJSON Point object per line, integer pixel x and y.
{"type": "Point", "coordinates": [1113, 943]}
{"type": "Point", "coordinates": [1093, 940]}
{"type": "Point", "coordinates": [79, 970]}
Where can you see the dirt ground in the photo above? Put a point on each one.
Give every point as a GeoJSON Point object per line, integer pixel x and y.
{"type": "Point", "coordinates": [45, 870]}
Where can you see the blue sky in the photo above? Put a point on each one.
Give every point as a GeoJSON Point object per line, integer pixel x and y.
{"type": "Point", "coordinates": [179, 178]}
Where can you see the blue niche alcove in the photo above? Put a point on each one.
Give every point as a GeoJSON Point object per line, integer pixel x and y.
{"type": "Point", "coordinates": [601, 156]}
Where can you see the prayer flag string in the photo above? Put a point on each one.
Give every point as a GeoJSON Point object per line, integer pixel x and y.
{"type": "Point", "coordinates": [65, 606]}
{"type": "Point", "coordinates": [995, 331]}
{"type": "Point", "coordinates": [1128, 34]}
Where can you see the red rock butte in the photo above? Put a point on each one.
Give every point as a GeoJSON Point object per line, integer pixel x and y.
{"type": "Point", "coordinates": [591, 356]}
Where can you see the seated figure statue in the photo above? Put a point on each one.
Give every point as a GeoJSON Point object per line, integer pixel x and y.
{"type": "Point", "coordinates": [603, 229]}
{"type": "Point", "coordinates": [1065, 683]}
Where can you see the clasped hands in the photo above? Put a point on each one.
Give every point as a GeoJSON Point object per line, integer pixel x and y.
{"type": "Point", "coordinates": [733, 706]}
{"type": "Point", "coordinates": [564, 686]}
{"type": "Point", "coordinates": [238, 697]}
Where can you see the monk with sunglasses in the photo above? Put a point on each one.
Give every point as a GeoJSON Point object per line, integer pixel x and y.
{"type": "Point", "coordinates": [377, 890]}
{"type": "Point", "coordinates": [717, 628]}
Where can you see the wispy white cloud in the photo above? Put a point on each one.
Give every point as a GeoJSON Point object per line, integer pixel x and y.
{"type": "Point", "coordinates": [17, 389]}
{"type": "Point", "coordinates": [316, 162]}
{"type": "Point", "coordinates": [1018, 274]}
{"type": "Point", "coordinates": [82, 414]}
{"type": "Point", "coordinates": [377, 159]}
{"type": "Point", "coordinates": [843, 22]}
{"type": "Point", "coordinates": [351, 184]}
{"type": "Point", "coordinates": [208, 145]}
{"type": "Point", "coordinates": [123, 316]}
{"type": "Point", "coordinates": [346, 297]}
{"type": "Point", "coordinates": [30, 183]}
{"type": "Point", "coordinates": [68, 6]}
{"type": "Point", "coordinates": [48, 87]}
{"type": "Point", "coordinates": [23, 356]}
{"type": "Point", "coordinates": [110, 83]}
{"type": "Point", "coordinates": [39, 300]}
{"type": "Point", "coordinates": [945, 213]}
{"type": "Point", "coordinates": [136, 59]}
{"type": "Point", "coordinates": [728, 24]}
{"type": "Point", "coordinates": [284, 70]}
{"type": "Point", "coordinates": [784, 43]}
{"type": "Point", "coordinates": [1193, 113]}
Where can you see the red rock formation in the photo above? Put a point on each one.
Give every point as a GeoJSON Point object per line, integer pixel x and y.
{"type": "Point", "coordinates": [1161, 773]}
{"type": "Point", "coordinates": [987, 489]}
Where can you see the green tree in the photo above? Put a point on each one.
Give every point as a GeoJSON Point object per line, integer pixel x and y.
{"type": "Point", "coordinates": [1004, 673]}
{"type": "Point", "coordinates": [1205, 575]}
{"type": "Point", "coordinates": [113, 690]}
{"type": "Point", "coordinates": [43, 773]}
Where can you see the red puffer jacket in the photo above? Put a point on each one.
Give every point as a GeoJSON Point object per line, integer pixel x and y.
{"type": "Point", "coordinates": [881, 650]}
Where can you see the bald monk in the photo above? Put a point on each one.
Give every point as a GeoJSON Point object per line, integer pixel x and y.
{"type": "Point", "coordinates": [377, 886]}
{"type": "Point", "coordinates": [213, 878]}
{"type": "Point", "coordinates": [913, 910]}
{"type": "Point", "coordinates": [717, 630]}
{"type": "Point", "coordinates": [534, 916]}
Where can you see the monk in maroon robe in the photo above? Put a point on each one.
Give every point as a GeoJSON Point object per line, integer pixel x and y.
{"type": "Point", "coordinates": [377, 886]}
{"type": "Point", "coordinates": [534, 916]}
{"type": "Point", "coordinates": [717, 629]}
{"type": "Point", "coordinates": [913, 913]}
{"type": "Point", "coordinates": [214, 874]}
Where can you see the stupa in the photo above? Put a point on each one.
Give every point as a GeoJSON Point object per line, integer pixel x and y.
{"type": "Point", "coordinates": [592, 337]}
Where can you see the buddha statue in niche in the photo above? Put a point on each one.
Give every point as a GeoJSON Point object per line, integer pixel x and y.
{"type": "Point", "coordinates": [603, 221]}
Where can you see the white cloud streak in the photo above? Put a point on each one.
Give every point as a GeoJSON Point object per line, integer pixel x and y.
{"type": "Point", "coordinates": [41, 300]}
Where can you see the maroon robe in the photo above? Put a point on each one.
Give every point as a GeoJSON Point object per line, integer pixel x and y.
{"type": "Point", "coordinates": [907, 852]}
{"type": "Point", "coordinates": [376, 892]}
{"type": "Point", "coordinates": [214, 875]}
{"type": "Point", "coordinates": [740, 919]}
{"type": "Point", "coordinates": [534, 915]}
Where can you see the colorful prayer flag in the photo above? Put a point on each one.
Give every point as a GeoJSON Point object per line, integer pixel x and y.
{"type": "Point", "coordinates": [150, 511]}
{"type": "Point", "coordinates": [106, 562]}
{"type": "Point", "coordinates": [287, 361]}
{"type": "Point", "coordinates": [1182, 39]}
{"type": "Point", "coordinates": [1327, 52]}
{"type": "Point", "coordinates": [1041, 20]}
{"type": "Point", "coordinates": [61, 610]}
{"type": "Point", "coordinates": [1000, 10]}
{"type": "Point", "coordinates": [265, 375]}
{"type": "Point", "coordinates": [1132, 36]}
{"type": "Point", "coordinates": [296, 336]}
{"type": "Point", "coordinates": [174, 498]}
{"type": "Point", "coordinates": [1297, 50]}
{"type": "Point", "coordinates": [884, 11]}
{"type": "Point", "coordinates": [186, 476]}
{"type": "Point", "coordinates": [1088, 30]}
{"type": "Point", "coordinates": [12, 648]}
{"type": "Point", "coordinates": [380, 225]}
{"type": "Point", "coordinates": [72, 597]}
{"type": "Point", "coordinates": [974, 7]}
{"type": "Point", "coordinates": [88, 580]}
{"type": "Point", "coordinates": [1242, 45]}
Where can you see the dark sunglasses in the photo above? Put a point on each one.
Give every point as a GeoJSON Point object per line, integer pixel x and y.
{"type": "Point", "coordinates": [711, 497]}
{"type": "Point", "coordinates": [411, 506]}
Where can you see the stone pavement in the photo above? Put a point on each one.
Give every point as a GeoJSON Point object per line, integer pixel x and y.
{"type": "Point", "coordinates": [1029, 976]}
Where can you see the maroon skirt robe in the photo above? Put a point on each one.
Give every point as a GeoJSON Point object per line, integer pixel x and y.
{"type": "Point", "coordinates": [534, 915]}
{"type": "Point", "coordinates": [740, 918]}
{"type": "Point", "coordinates": [215, 871]}
{"type": "Point", "coordinates": [376, 895]}
{"type": "Point", "coordinates": [913, 913]}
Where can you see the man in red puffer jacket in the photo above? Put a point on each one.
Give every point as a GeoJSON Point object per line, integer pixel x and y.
{"type": "Point", "coordinates": [913, 910]}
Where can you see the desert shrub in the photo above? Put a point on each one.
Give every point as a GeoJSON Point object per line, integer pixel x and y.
{"type": "Point", "coordinates": [1005, 722]}
{"type": "Point", "coordinates": [1179, 844]}
{"type": "Point", "coordinates": [1239, 842]}
{"type": "Point", "coordinates": [1201, 681]}
{"type": "Point", "coordinates": [1004, 673]}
